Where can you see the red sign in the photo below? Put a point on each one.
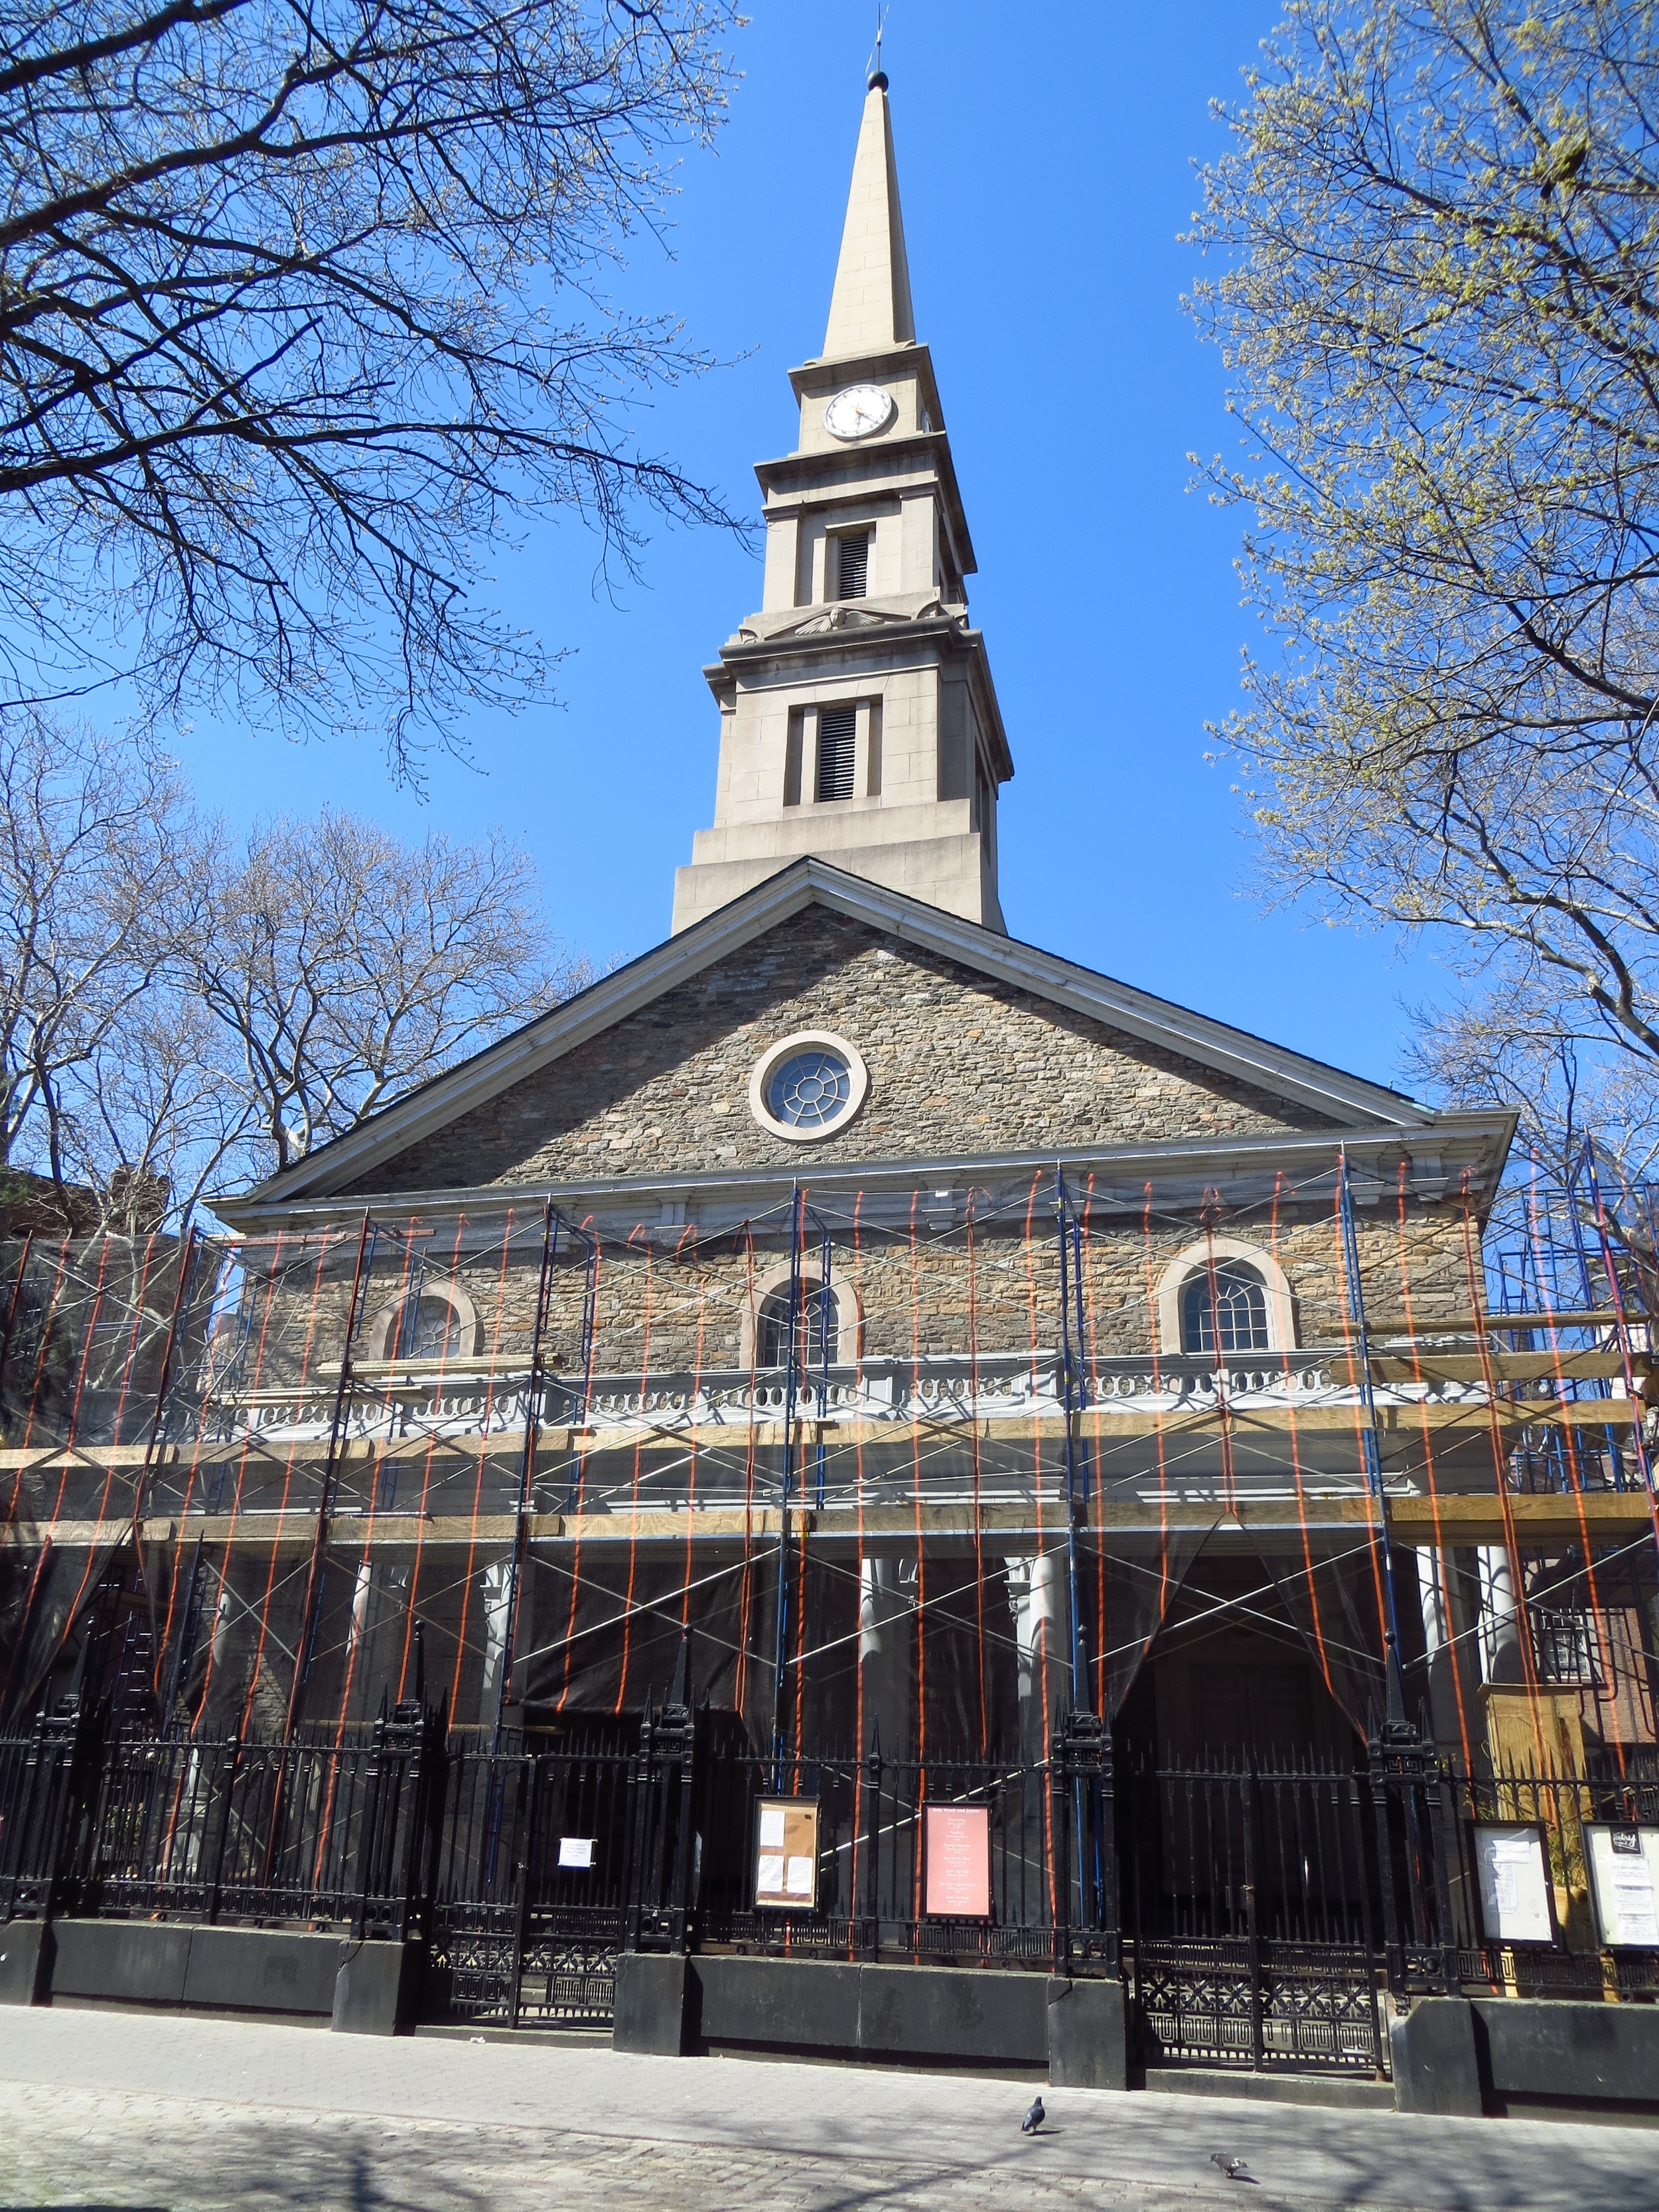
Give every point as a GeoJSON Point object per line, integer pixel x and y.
{"type": "Point", "coordinates": [959, 1844]}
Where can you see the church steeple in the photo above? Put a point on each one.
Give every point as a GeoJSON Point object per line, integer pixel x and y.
{"type": "Point", "coordinates": [870, 308]}
{"type": "Point", "coordinates": [859, 720]}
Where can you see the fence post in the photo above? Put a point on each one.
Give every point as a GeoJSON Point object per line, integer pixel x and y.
{"type": "Point", "coordinates": [60, 1779]}
{"type": "Point", "coordinates": [1111, 1911]}
{"type": "Point", "coordinates": [1442, 1841]}
{"type": "Point", "coordinates": [1420, 1937]}
{"type": "Point", "coordinates": [639, 1776]}
{"type": "Point", "coordinates": [430, 1726]}
{"type": "Point", "coordinates": [75, 1734]}
{"type": "Point", "coordinates": [1392, 1949]}
{"type": "Point", "coordinates": [230, 1753]}
{"type": "Point", "coordinates": [680, 1720]}
{"type": "Point", "coordinates": [528, 1782]}
{"type": "Point", "coordinates": [1079, 1756]}
{"type": "Point", "coordinates": [661, 1900]}
{"type": "Point", "coordinates": [1060, 1870]}
{"type": "Point", "coordinates": [873, 1871]}
{"type": "Point", "coordinates": [1252, 1797]}
{"type": "Point", "coordinates": [368, 1831]}
{"type": "Point", "coordinates": [405, 1777]}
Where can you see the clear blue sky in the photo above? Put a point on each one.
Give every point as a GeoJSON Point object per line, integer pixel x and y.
{"type": "Point", "coordinates": [1045, 161]}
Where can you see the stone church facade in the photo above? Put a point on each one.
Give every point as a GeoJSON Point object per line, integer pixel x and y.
{"type": "Point", "coordinates": [1121, 1253]}
{"type": "Point", "coordinates": [846, 1367]}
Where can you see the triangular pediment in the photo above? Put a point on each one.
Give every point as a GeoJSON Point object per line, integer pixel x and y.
{"type": "Point", "coordinates": [483, 1121]}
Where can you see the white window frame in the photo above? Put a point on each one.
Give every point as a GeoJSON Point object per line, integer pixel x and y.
{"type": "Point", "coordinates": [382, 1331]}
{"type": "Point", "coordinates": [767, 1066]}
{"type": "Point", "coordinates": [1193, 1260]}
{"type": "Point", "coordinates": [849, 1314]}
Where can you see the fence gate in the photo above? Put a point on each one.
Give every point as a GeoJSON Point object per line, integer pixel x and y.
{"type": "Point", "coordinates": [1249, 1910]}
{"type": "Point", "coordinates": [551, 1862]}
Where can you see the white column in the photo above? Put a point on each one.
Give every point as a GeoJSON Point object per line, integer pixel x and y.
{"type": "Point", "coordinates": [498, 1577]}
{"type": "Point", "coordinates": [1500, 1622]}
{"type": "Point", "coordinates": [1439, 1641]}
{"type": "Point", "coordinates": [1042, 1632]}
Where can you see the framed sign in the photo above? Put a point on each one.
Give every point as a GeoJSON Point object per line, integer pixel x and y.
{"type": "Point", "coordinates": [787, 1855]}
{"type": "Point", "coordinates": [1517, 1904]}
{"type": "Point", "coordinates": [957, 1847]}
{"type": "Point", "coordinates": [1623, 1865]}
{"type": "Point", "coordinates": [576, 1851]}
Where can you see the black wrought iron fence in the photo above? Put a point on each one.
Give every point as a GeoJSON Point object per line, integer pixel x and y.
{"type": "Point", "coordinates": [970, 1860]}
{"type": "Point", "coordinates": [1251, 1912]}
{"type": "Point", "coordinates": [1561, 1824]}
{"type": "Point", "coordinates": [536, 1880]}
{"type": "Point", "coordinates": [319, 1833]}
{"type": "Point", "coordinates": [1260, 1910]}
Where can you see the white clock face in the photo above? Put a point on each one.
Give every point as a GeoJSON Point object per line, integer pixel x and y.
{"type": "Point", "coordinates": [859, 411]}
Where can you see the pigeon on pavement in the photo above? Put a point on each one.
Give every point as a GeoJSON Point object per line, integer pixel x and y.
{"type": "Point", "coordinates": [1033, 2120]}
{"type": "Point", "coordinates": [1234, 2168]}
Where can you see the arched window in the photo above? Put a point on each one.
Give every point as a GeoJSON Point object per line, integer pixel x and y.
{"type": "Point", "coordinates": [816, 1320]}
{"type": "Point", "coordinates": [1224, 1309]}
{"type": "Point", "coordinates": [429, 1328]}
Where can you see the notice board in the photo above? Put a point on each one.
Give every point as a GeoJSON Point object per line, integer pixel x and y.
{"type": "Point", "coordinates": [1625, 1878]}
{"type": "Point", "coordinates": [958, 1863]}
{"type": "Point", "coordinates": [786, 1854]}
{"type": "Point", "coordinates": [1517, 1905]}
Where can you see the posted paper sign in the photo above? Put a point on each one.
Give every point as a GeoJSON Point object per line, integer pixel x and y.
{"type": "Point", "coordinates": [576, 1851]}
{"type": "Point", "coordinates": [786, 1854]}
{"type": "Point", "coordinates": [1625, 1878]}
{"type": "Point", "coordinates": [958, 1848]}
{"type": "Point", "coordinates": [1515, 1884]}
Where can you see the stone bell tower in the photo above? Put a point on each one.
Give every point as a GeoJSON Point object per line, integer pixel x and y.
{"type": "Point", "coordinates": [859, 720]}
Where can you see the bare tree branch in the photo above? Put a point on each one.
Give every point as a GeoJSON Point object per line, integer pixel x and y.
{"type": "Point", "coordinates": [179, 1013]}
{"type": "Point", "coordinates": [300, 308]}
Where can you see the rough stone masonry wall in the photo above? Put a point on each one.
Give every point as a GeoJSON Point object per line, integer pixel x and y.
{"type": "Point", "coordinates": [669, 1302]}
{"type": "Point", "coordinates": [958, 1065]}
{"type": "Point", "coordinates": [926, 1298]}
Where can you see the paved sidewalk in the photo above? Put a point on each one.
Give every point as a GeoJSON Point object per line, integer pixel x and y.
{"type": "Point", "coordinates": [104, 2110]}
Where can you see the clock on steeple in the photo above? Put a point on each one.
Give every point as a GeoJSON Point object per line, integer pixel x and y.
{"type": "Point", "coordinates": [859, 410]}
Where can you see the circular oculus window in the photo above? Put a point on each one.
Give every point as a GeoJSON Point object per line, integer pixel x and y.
{"type": "Point", "coordinates": [807, 1086]}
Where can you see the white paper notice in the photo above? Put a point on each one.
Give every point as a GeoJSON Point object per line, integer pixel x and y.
{"type": "Point", "coordinates": [1633, 1890]}
{"type": "Point", "coordinates": [768, 1875]}
{"type": "Point", "coordinates": [1624, 1862]}
{"type": "Point", "coordinates": [575, 1850]}
{"type": "Point", "coordinates": [1514, 1901]}
{"type": "Point", "coordinates": [771, 1827]}
{"type": "Point", "coordinates": [800, 1882]}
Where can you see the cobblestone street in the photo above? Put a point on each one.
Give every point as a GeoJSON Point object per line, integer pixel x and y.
{"type": "Point", "coordinates": [95, 2113]}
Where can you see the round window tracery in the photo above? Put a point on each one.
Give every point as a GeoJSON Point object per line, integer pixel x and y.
{"type": "Point", "coordinates": [429, 1329]}
{"type": "Point", "coordinates": [811, 1089]}
{"type": "Point", "coordinates": [808, 1085]}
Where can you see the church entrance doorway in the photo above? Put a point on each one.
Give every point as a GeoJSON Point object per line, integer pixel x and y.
{"type": "Point", "coordinates": [1251, 1910]}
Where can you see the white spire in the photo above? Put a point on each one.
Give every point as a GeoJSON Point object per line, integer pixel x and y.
{"type": "Point", "coordinates": [870, 309]}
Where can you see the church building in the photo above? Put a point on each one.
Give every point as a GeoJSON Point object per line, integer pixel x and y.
{"type": "Point", "coordinates": [933, 1366]}
{"type": "Point", "coordinates": [1071, 1276]}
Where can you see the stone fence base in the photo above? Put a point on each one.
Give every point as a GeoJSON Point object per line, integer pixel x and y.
{"type": "Point", "coordinates": [359, 1988]}
{"type": "Point", "coordinates": [1546, 2057]}
{"type": "Point", "coordinates": [1075, 2032]}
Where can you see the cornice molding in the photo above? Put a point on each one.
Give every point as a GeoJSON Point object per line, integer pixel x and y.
{"type": "Point", "coordinates": [853, 463]}
{"type": "Point", "coordinates": [917, 638]}
{"type": "Point", "coordinates": [1477, 1142]}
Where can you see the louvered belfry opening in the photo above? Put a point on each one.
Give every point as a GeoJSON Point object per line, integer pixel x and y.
{"type": "Point", "coordinates": [837, 732]}
{"type": "Point", "coordinates": [853, 565]}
